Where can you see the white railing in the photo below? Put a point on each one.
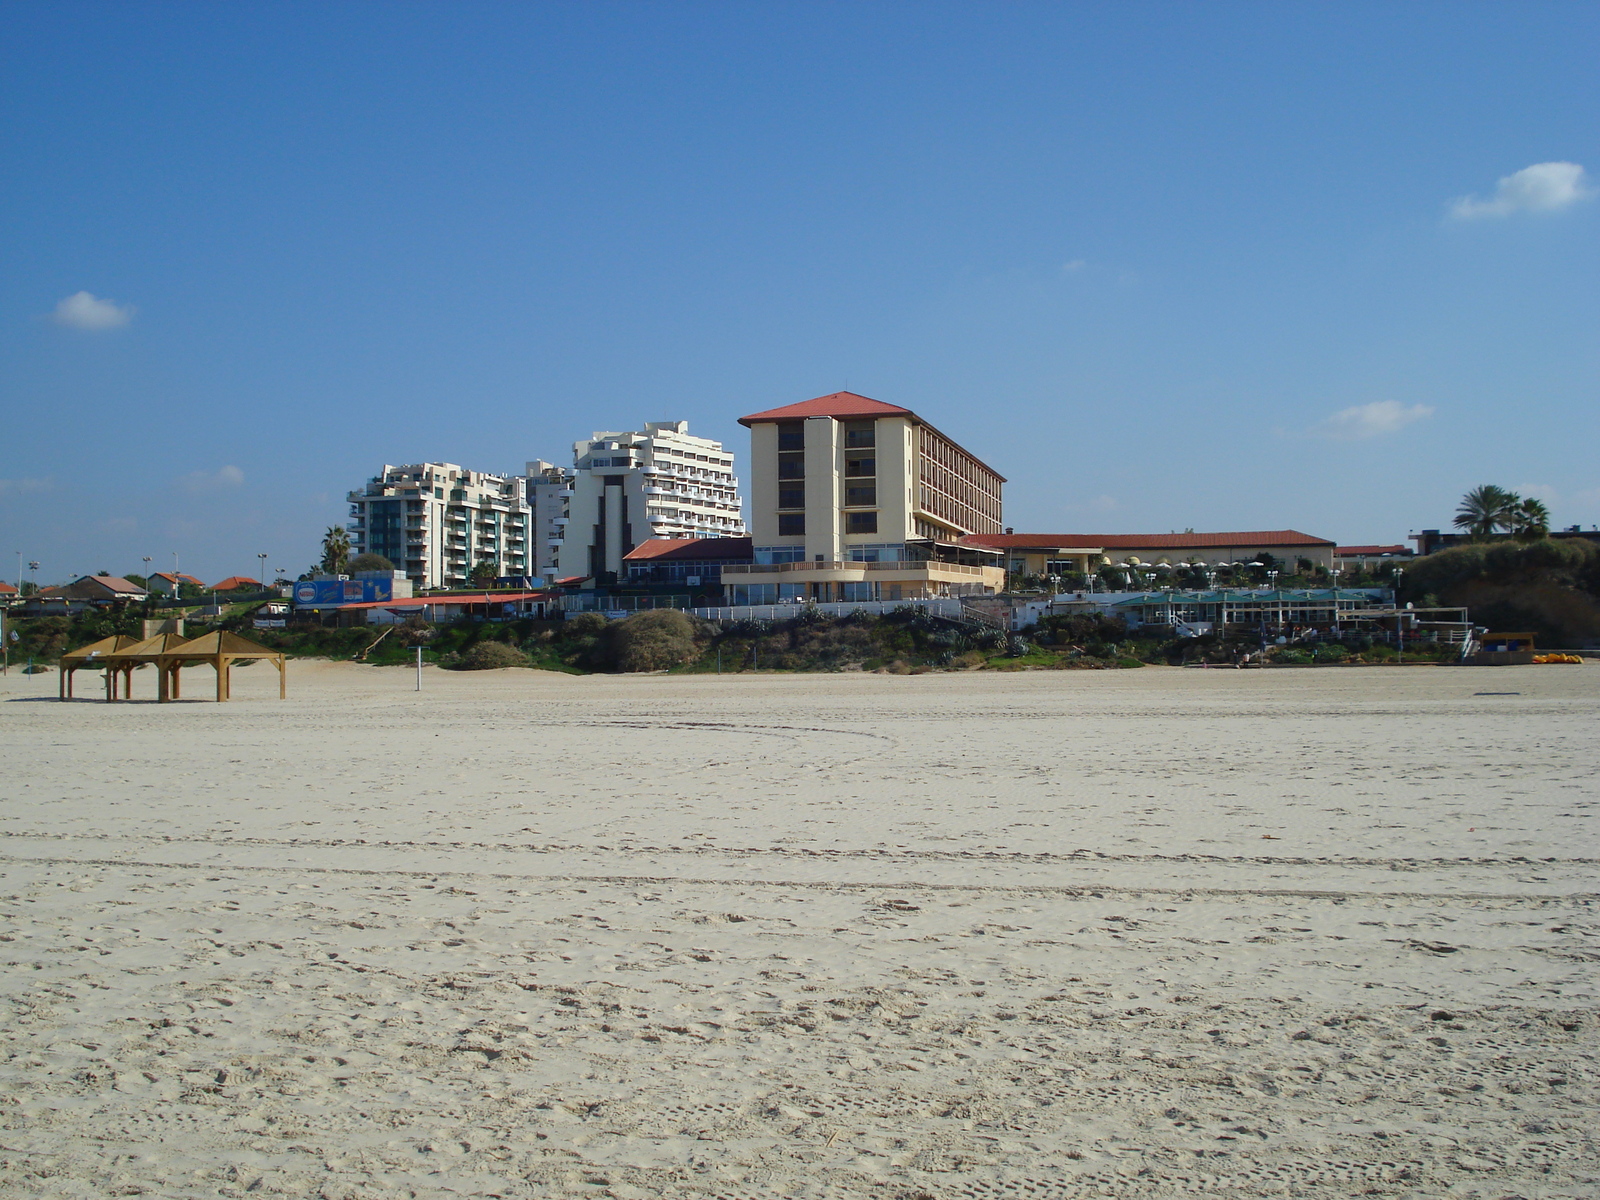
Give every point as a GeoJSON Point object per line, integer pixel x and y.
{"type": "Point", "coordinates": [903, 564]}
{"type": "Point", "coordinates": [937, 605]}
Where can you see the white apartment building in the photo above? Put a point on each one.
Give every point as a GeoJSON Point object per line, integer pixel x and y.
{"type": "Point", "coordinates": [436, 521]}
{"type": "Point", "coordinates": [631, 487]}
{"type": "Point", "coordinates": [854, 499]}
{"type": "Point", "coordinates": [548, 490]}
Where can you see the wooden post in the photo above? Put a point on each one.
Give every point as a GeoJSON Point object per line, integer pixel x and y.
{"type": "Point", "coordinates": [283, 682]}
{"type": "Point", "coordinates": [161, 682]}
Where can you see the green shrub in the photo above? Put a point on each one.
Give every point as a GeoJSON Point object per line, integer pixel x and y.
{"type": "Point", "coordinates": [1331, 652]}
{"type": "Point", "coordinates": [489, 656]}
{"type": "Point", "coordinates": [589, 624]}
{"type": "Point", "coordinates": [652, 641]}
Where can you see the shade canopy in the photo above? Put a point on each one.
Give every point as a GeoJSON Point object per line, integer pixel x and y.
{"type": "Point", "coordinates": [93, 654]}
{"type": "Point", "coordinates": [214, 645]}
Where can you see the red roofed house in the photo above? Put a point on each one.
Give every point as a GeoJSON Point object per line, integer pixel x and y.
{"type": "Point", "coordinates": [693, 564]}
{"type": "Point", "coordinates": [1061, 553]}
{"type": "Point", "coordinates": [854, 499]}
{"type": "Point", "coordinates": [164, 583]}
{"type": "Point", "coordinates": [8, 594]}
{"type": "Point", "coordinates": [237, 583]}
{"type": "Point", "coordinates": [89, 591]}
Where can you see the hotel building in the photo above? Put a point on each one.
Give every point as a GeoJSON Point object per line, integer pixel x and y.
{"type": "Point", "coordinates": [853, 499]}
{"type": "Point", "coordinates": [631, 487]}
{"type": "Point", "coordinates": [436, 521]}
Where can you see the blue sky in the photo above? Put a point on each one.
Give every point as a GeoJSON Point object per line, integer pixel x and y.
{"type": "Point", "coordinates": [1164, 266]}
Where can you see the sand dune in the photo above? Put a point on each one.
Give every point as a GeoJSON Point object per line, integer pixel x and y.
{"type": "Point", "coordinates": [1147, 934]}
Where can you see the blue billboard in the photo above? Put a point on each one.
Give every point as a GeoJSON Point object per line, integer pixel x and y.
{"type": "Point", "coordinates": [329, 593]}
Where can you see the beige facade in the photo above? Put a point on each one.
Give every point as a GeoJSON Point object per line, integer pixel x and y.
{"type": "Point", "coordinates": [854, 499]}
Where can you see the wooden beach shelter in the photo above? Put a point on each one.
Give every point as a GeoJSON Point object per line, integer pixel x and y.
{"type": "Point", "coordinates": [221, 649]}
{"type": "Point", "coordinates": [92, 656]}
{"type": "Point", "coordinates": [127, 658]}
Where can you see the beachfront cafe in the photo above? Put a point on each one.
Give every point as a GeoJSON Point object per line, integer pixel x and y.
{"type": "Point", "coordinates": [1297, 613]}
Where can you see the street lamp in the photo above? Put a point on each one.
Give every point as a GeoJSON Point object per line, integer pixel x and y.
{"type": "Point", "coordinates": [263, 579]}
{"type": "Point", "coordinates": [1399, 621]}
{"type": "Point", "coordinates": [33, 569]}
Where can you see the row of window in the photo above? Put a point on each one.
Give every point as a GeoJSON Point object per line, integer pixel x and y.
{"type": "Point", "coordinates": [855, 496]}
{"type": "Point", "coordinates": [794, 524]}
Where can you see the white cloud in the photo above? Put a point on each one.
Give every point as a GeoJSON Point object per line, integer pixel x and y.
{"type": "Point", "coordinates": [18, 487]}
{"type": "Point", "coordinates": [1077, 264]}
{"type": "Point", "coordinates": [81, 310]}
{"type": "Point", "coordinates": [210, 481]}
{"type": "Point", "coordinates": [1371, 420]}
{"type": "Point", "coordinates": [1543, 187]}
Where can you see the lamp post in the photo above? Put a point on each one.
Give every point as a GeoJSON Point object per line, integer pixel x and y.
{"type": "Point", "coordinates": [176, 585]}
{"type": "Point", "coordinates": [263, 579]}
{"type": "Point", "coordinates": [1399, 621]}
{"type": "Point", "coordinates": [33, 570]}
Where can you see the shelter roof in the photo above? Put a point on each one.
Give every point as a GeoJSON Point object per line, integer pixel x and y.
{"type": "Point", "coordinates": [221, 643]}
{"type": "Point", "coordinates": [94, 650]}
{"type": "Point", "coordinates": [838, 405]}
{"type": "Point", "coordinates": [149, 649]}
{"type": "Point", "coordinates": [690, 549]}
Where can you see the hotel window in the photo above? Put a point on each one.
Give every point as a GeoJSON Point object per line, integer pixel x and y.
{"type": "Point", "coordinates": [859, 522]}
{"type": "Point", "coordinates": [791, 435]}
{"type": "Point", "coordinates": [791, 497]}
{"type": "Point", "coordinates": [858, 466]}
{"type": "Point", "coordinates": [860, 435]}
{"type": "Point", "coordinates": [791, 466]}
{"type": "Point", "coordinates": [862, 496]}
{"type": "Point", "coordinates": [794, 524]}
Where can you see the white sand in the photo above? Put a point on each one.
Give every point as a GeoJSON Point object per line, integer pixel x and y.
{"type": "Point", "coordinates": [1139, 934]}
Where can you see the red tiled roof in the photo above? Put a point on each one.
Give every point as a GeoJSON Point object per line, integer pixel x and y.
{"type": "Point", "coordinates": [233, 581]}
{"type": "Point", "coordinates": [1349, 550]}
{"type": "Point", "coordinates": [838, 404]}
{"type": "Point", "coordinates": [167, 575]}
{"type": "Point", "coordinates": [7, 590]}
{"type": "Point", "coordinates": [690, 549]}
{"type": "Point", "coordinates": [1148, 541]}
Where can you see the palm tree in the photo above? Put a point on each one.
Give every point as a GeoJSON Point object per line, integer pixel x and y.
{"type": "Point", "coordinates": [1530, 520]}
{"type": "Point", "coordinates": [335, 550]}
{"type": "Point", "coordinates": [1486, 509]}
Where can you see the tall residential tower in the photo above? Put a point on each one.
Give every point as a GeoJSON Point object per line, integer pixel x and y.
{"type": "Point", "coordinates": [436, 521]}
{"type": "Point", "coordinates": [630, 487]}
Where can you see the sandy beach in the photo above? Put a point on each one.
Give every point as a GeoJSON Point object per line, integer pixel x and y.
{"type": "Point", "coordinates": [1152, 933]}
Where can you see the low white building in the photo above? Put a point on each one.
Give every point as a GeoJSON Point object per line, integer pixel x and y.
{"type": "Point", "coordinates": [631, 487]}
{"type": "Point", "coordinates": [437, 521]}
